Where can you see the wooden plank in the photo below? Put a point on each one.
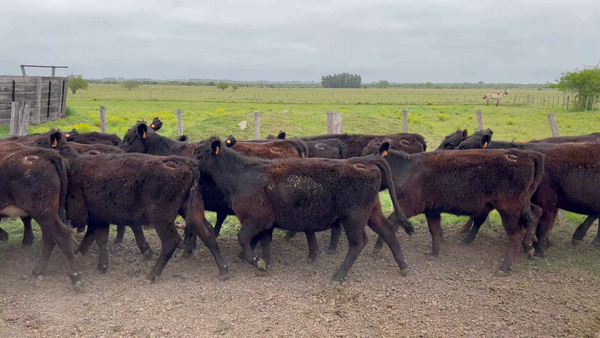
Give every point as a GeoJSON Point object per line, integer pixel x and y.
{"type": "Point", "coordinates": [553, 126]}
{"type": "Point", "coordinates": [4, 121]}
{"type": "Point", "coordinates": [257, 125]}
{"type": "Point", "coordinates": [405, 120]}
{"type": "Point", "coordinates": [179, 122]}
{"type": "Point", "coordinates": [479, 120]}
{"type": "Point", "coordinates": [19, 79]}
{"type": "Point", "coordinates": [103, 119]}
{"type": "Point", "coordinates": [38, 100]}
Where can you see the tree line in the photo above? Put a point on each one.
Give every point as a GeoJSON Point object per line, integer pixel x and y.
{"type": "Point", "coordinates": [343, 80]}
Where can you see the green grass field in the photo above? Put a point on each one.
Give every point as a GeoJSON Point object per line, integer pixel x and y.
{"type": "Point", "coordinates": [209, 111]}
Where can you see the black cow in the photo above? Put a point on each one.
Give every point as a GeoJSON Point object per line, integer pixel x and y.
{"type": "Point", "coordinates": [452, 141]}
{"type": "Point", "coordinates": [593, 137]}
{"type": "Point", "coordinates": [94, 137]}
{"type": "Point", "coordinates": [135, 189]}
{"type": "Point", "coordinates": [269, 149]}
{"type": "Point", "coordinates": [33, 183]}
{"type": "Point", "coordinates": [410, 143]}
{"type": "Point", "coordinates": [302, 195]}
{"type": "Point", "coordinates": [468, 183]}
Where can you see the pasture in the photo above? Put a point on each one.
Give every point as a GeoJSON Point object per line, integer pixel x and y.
{"type": "Point", "coordinates": [457, 294]}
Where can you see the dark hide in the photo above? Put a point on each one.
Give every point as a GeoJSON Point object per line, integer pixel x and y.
{"type": "Point", "coordinates": [452, 141]}
{"type": "Point", "coordinates": [301, 195]}
{"type": "Point", "coordinates": [269, 149]}
{"type": "Point", "coordinates": [469, 183]}
{"type": "Point", "coordinates": [410, 143]}
{"type": "Point", "coordinates": [331, 148]}
{"type": "Point", "coordinates": [483, 140]}
{"type": "Point", "coordinates": [593, 137]}
{"type": "Point", "coordinates": [98, 138]}
{"type": "Point", "coordinates": [34, 184]}
{"type": "Point", "coordinates": [135, 190]}
{"type": "Point", "coordinates": [141, 139]}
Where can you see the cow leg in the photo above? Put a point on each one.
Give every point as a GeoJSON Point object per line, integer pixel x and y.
{"type": "Point", "coordinates": [477, 222]}
{"type": "Point", "coordinates": [336, 231]}
{"type": "Point", "coordinates": [464, 230]}
{"type": "Point", "coordinates": [515, 233]}
{"type": "Point", "coordinates": [81, 228]}
{"type": "Point", "coordinates": [434, 223]}
{"type": "Point", "coordinates": [141, 242]}
{"type": "Point", "coordinates": [245, 237]}
{"type": "Point", "coordinates": [386, 231]}
{"type": "Point", "coordinates": [47, 247]}
{"type": "Point", "coordinates": [313, 246]}
{"type": "Point", "coordinates": [27, 232]}
{"type": "Point", "coordinates": [355, 232]}
{"type": "Point", "coordinates": [582, 230]}
{"type": "Point", "coordinates": [87, 241]}
{"type": "Point", "coordinates": [169, 239]}
{"type": "Point", "coordinates": [265, 242]}
{"type": "Point", "coordinates": [289, 235]}
{"type": "Point", "coordinates": [596, 241]}
{"type": "Point", "coordinates": [543, 230]}
{"type": "Point", "coordinates": [221, 216]}
{"type": "Point", "coordinates": [120, 234]}
{"type": "Point", "coordinates": [101, 232]}
{"type": "Point", "coordinates": [3, 236]}
{"type": "Point", "coordinates": [207, 236]}
{"type": "Point", "coordinates": [497, 103]}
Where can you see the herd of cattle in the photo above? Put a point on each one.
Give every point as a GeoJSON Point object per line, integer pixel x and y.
{"type": "Point", "coordinates": [305, 184]}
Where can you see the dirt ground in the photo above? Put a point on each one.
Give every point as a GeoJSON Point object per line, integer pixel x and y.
{"type": "Point", "coordinates": [456, 295]}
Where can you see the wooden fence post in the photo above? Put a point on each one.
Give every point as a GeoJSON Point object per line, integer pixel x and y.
{"type": "Point", "coordinates": [179, 122]}
{"type": "Point", "coordinates": [38, 97]}
{"type": "Point", "coordinates": [19, 118]}
{"type": "Point", "coordinates": [479, 120]}
{"type": "Point", "coordinates": [103, 119]}
{"type": "Point", "coordinates": [594, 103]}
{"type": "Point", "coordinates": [405, 120]}
{"type": "Point", "coordinates": [567, 102]}
{"type": "Point", "coordinates": [334, 122]}
{"type": "Point", "coordinates": [553, 125]}
{"type": "Point", "coordinates": [257, 125]}
{"type": "Point", "coordinates": [515, 99]}
{"type": "Point", "coordinates": [587, 99]}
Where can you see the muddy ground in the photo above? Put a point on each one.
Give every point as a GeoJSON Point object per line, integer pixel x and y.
{"type": "Point", "coordinates": [457, 295]}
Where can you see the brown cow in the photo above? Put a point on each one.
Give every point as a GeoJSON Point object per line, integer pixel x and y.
{"type": "Point", "coordinates": [34, 184]}
{"type": "Point", "coordinates": [410, 143]}
{"type": "Point", "coordinates": [302, 195]}
{"type": "Point", "coordinates": [269, 149]}
{"type": "Point", "coordinates": [468, 183]}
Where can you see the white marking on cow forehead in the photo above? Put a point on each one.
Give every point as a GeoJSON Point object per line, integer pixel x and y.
{"type": "Point", "coordinates": [511, 157]}
{"type": "Point", "coordinates": [29, 159]}
{"type": "Point", "coordinates": [12, 211]}
{"type": "Point", "coordinates": [320, 146]}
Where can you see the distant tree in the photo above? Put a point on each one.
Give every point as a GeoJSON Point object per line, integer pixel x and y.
{"type": "Point", "coordinates": [76, 83]}
{"type": "Point", "coordinates": [480, 82]}
{"type": "Point", "coordinates": [211, 83]}
{"type": "Point", "coordinates": [383, 84]}
{"type": "Point", "coordinates": [343, 80]}
{"type": "Point", "coordinates": [584, 83]}
{"type": "Point", "coordinates": [234, 87]}
{"type": "Point", "coordinates": [223, 85]}
{"type": "Point", "coordinates": [429, 85]}
{"type": "Point", "coordinates": [130, 84]}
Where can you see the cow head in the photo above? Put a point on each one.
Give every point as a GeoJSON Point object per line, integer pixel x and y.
{"type": "Point", "coordinates": [452, 141]}
{"type": "Point", "coordinates": [206, 153]}
{"type": "Point", "coordinates": [376, 146]}
{"type": "Point", "coordinates": [230, 141]}
{"type": "Point", "coordinates": [134, 140]}
{"type": "Point", "coordinates": [384, 148]}
{"type": "Point", "coordinates": [156, 124]}
{"type": "Point", "coordinates": [280, 136]}
{"type": "Point", "coordinates": [478, 140]}
{"type": "Point", "coordinates": [72, 135]}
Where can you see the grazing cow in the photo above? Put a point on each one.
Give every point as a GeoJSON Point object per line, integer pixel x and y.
{"type": "Point", "coordinates": [452, 141]}
{"type": "Point", "coordinates": [468, 183]}
{"type": "Point", "coordinates": [410, 143]}
{"type": "Point", "coordinates": [494, 96]}
{"type": "Point", "coordinates": [135, 189]}
{"type": "Point", "coordinates": [302, 195]}
{"type": "Point", "coordinates": [269, 149]}
{"type": "Point", "coordinates": [34, 184]}
{"type": "Point", "coordinates": [569, 183]}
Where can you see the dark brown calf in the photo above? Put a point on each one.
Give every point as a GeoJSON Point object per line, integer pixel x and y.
{"type": "Point", "coordinates": [302, 195]}
{"type": "Point", "coordinates": [410, 143]}
{"type": "Point", "coordinates": [136, 189]}
{"type": "Point", "coordinates": [469, 183]}
{"type": "Point", "coordinates": [33, 183]}
{"type": "Point", "coordinates": [269, 149]}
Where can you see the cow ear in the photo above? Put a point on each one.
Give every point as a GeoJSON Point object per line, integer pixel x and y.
{"type": "Point", "coordinates": [485, 140]}
{"type": "Point", "coordinates": [384, 148]}
{"type": "Point", "coordinates": [55, 139]}
{"type": "Point", "coordinates": [281, 135]}
{"type": "Point", "coordinates": [465, 134]}
{"type": "Point", "coordinates": [230, 141]}
{"type": "Point", "coordinates": [182, 138]}
{"type": "Point", "coordinates": [156, 124]}
{"type": "Point", "coordinates": [215, 147]}
{"type": "Point", "coordinates": [488, 132]}
{"type": "Point", "coordinates": [142, 130]}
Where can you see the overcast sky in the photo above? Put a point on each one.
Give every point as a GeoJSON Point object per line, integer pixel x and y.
{"type": "Point", "coordinates": [399, 41]}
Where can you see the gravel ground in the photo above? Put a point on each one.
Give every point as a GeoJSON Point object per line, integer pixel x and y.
{"type": "Point", "coordinates": [456, 295]}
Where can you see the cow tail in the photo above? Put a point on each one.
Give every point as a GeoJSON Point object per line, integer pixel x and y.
{"type": "Point", "coordinates": [387, 176]}
{"type": "Point", "coordinates": [62, 167]}
{"type": "Point", "coordinates": [301, 148]}
{"type": "Point", "coordinates": [538, 161]}
{"type": "Point", "coordinates": [190, 229]}
{"type": "Point", "coordinates": [343, 149]}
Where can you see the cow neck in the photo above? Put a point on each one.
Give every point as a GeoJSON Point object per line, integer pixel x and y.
{"type": "Point", "coordinates": [231, 170]}
{"type": "Point", "coordinates": [399, 163]}
{"type": "Point", "coordinates": [163, 146]}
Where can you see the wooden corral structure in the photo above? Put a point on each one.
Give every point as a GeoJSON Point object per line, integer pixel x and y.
{"type": "Point", "coordinates": [45, 95]}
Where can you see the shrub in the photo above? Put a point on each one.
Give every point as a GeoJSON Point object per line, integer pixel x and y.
{"type": "Point", "coordinates": [220, 111]}
{"type": "Point", "coordinates": [84, 128]}
{"type": "Point", "coordinates": [442, 117]}
{"type": "Point", "coordinates": [429, 103]}
{"type": "Point", "coordinates": [510, 122]}
{"type": "Point", "coordinates": [347, 111]}
{"type": "Point", "coordinates": [69, 111]}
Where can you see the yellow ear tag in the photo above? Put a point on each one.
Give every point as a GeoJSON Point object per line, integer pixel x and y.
{"type": "Point", "coordinates": [217, 149]}
{"type": "Point", "coordinates": [384, 153]}
{"type": "Point", "coordinates": [55, 143]}
{"type": "Point", "coordinates": [485, 145]}
{"type": "Point", "coordinates": [144, 135]}
{"type": "Point", "coordinates": [228, 141]}
{"type": "Point", "coordinates": [67, 135]}
{"type": "Point", "coordinates": [152, 126]}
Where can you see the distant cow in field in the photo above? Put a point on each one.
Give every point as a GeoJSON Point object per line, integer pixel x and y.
{"type": "Point", "coordinates": [494, 96]}
{"type": "Point", "coordinates": [468, 183]}
{"type": "Point", "coordinates": [410, 143]}
{"type": "Point", "coordinates": [302, 195]}
{"type": "Point", "coordinates": [33, 182]}
{"type": "Point", "coordinates": [570, 182]}
{"type": "Point", "coordinates": [136, 189]}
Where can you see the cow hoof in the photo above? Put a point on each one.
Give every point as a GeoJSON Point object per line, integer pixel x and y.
{"type": "Point", "coordinates": [576, 242]}
{"type": "Point", "coordinates": [78, 286]}
{"type": "Point", "coordinates": [241, 255]}
{"type": "Point", "coordinates": [261, 265]}
{"type": "Point", "coordinates": [405, 272]}
{"type": "Point", "coordinates": [102, 268]}
{"type": "Point", "coordinates": [118, 241]}
{"type": "Point", "coordinates": [431, 256]}
{"type": "Point", "coordinates": [37, 272]}
{"type": "Point", "coordinates": [531, 253]}
{"type": "Point", "coordinates": [26, 244]}
{"type": "Point", "coordinates": [3, 236]}
{"type": "Point", "coordinates": [331, 251]}
{"type": "Point", "coordinates": [224, 275]}
{"type": "Point", "coordinates": [376, 250]}
{"type": "Point", "coordinates": [595, 244]}
{"type": "Point", "coordinates": [501, 273]}
{"type": "Point", "coordinates": [148, 254]}
{"type": "Point", "coordinates": [149, 279]}
{"type": "Point", "coordinates": [310, 260]}
{"type": "Point", "coordinates": [539, 254]}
